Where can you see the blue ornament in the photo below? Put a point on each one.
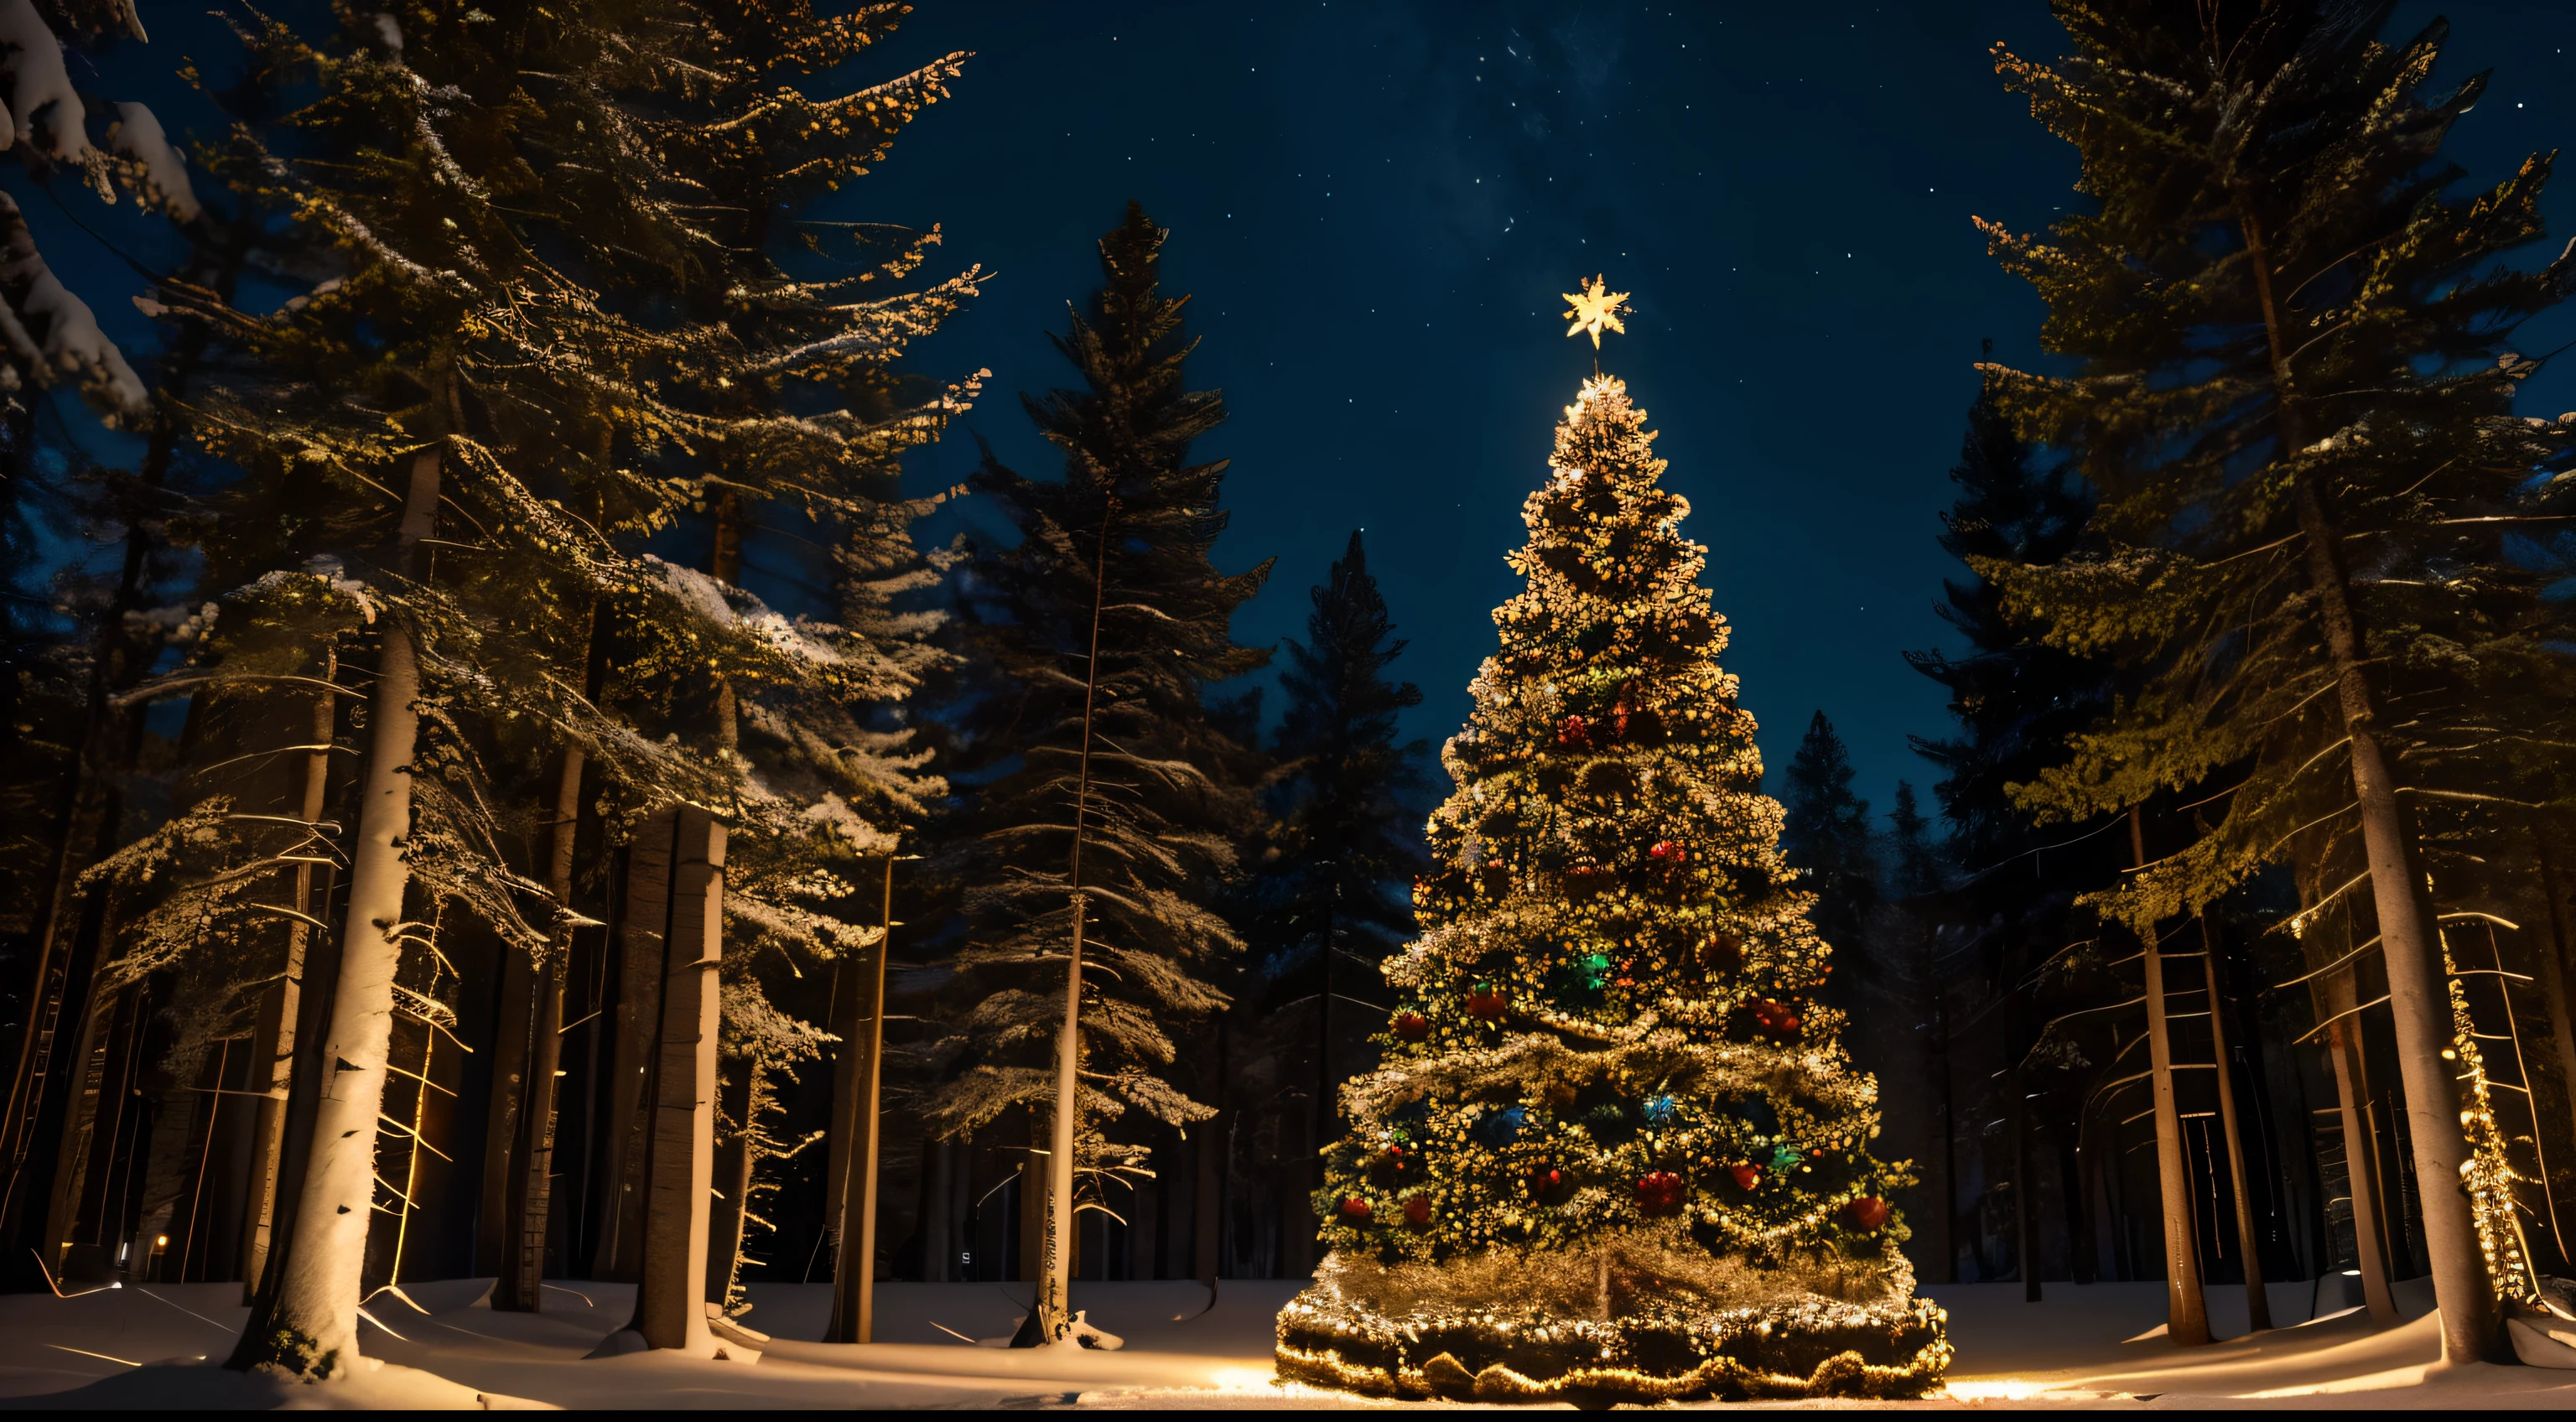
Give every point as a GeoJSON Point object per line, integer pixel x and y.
{"type": "Point", "coordinates": [1661, 1111]}
{"type": "Point", "coordinates": [1501, 1128]}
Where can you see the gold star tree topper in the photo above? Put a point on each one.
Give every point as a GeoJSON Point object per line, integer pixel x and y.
{"type": "Point", "coordinates": [1594, 309]}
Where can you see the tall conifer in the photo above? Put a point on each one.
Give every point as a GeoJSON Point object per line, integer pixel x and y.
{"type": "Point", "coordinates": [2293, 397]}
{"type": "Point", "coordinates": [1113, 793]}
{"type": "Point", "coordinates": [536, 356]}
{"type": "Point", "coordinates": [1329, 904]}
{"type": "Point", "coordinates": [1825, 831]}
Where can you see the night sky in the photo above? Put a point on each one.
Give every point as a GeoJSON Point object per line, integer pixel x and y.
{"type": "Point", "coordinates": [1377, 205]}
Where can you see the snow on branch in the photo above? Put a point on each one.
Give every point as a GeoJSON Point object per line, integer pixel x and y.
{"type": "Point", "coordinates": [159, 176]}
{"type": "Point", "coordinates": [41, 97]}
{"type": "Point", "coordinates": [52, 332]}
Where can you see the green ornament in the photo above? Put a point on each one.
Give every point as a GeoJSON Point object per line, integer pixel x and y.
{"type": "Point", "coordinates": [1783, 1158]}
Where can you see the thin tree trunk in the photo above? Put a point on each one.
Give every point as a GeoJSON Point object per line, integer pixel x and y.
{"type": "Point", "coordinates": [309, 1323]}
{"type": "Point", "coordinates": [2418, 994]}
{"type": "Point", "coordinates": [1326, 1115]}
{"type": "Point", "coordinates": [854, 1270]}
{"type": "Point", "coordinates": [1947, 1272]}
{"type": "Point", "coordinates": [510, 1050]}
{"type": "Point", "coordinates": [2025, 1201]}
{"type": "Point", "coordinates": [642, 929]}
{"type": "Point", "coordinates": [527, 1204]}
{"type": "Point", "coordinates": [729, 1206]}
{"type": "Point", "coordinates": [2186, 1311]}
{"type": "Point", "coordinates": [1051, 1317]}
{"type": "Point", "coordinates": [2554, 971]}
{"type": "Point", "coordinates": [2258, 1304]}
{"type": "Point", "coordinates": [2360, 1146]}
{"type": "Point", "coordinates": [273, 1039]}
{"type": "Point", "coordinates": [1207, 1206]}
{"type": "Point", "coordinates": [2077, 1202]}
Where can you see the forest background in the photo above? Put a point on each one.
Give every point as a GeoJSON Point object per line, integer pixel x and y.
{"type": "Point", "coordinates": [1373, 209]}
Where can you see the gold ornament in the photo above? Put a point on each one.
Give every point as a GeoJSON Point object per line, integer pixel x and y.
{"type": "Point", "coordinates": [1594, 309]}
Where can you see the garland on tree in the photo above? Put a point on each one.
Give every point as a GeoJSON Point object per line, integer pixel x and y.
{"type": "Point", "coordinates": [1616, 1150]}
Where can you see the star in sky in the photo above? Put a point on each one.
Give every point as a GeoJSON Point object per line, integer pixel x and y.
{"type": "Point", "coordinates": [1594, 309]}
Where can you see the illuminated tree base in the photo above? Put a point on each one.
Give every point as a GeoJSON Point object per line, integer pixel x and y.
{"type": "Point", "coordinates": [1822, 1348]}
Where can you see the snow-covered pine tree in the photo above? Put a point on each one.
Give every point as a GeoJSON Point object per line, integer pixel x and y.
{"type": "Point", "coordinates": [1616, 1150]}
{"type": "Point", "coordinates": [2292, 395]}
{"type": "Point", "coordinates": [1113, 793]}
{"type": "Point", "coordinates": [820, 416]}
{"type": "Point", "coordinates": [1327, 904]}
{"type": "Point", "coordinates": [419, 475]}
{"type": "Point", "coordinates": [64, 743]}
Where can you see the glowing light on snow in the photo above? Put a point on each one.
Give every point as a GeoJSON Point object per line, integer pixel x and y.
{"type": "Point", "coordinates": [1242, 1379]}
{"type": "Point", "coordinates": [1993, 1390]}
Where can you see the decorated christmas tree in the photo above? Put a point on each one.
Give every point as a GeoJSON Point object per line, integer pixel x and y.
{"type": "Point", "coordinates": [1616, 1151]}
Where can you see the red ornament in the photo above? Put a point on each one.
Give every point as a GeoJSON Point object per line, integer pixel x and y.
{"type": "Point", "coordinates": [1543, 1180]}
{"type": "Point", "coordinates": [1574, 731]}
{"type": "Point", "coordinates": [1355, 1211]}
{"type": "Point", "coordinates": [1869, 1212]}
{"type": "Point", "coordinates": [1669, 852]}
{"type": "Point", "coordinates": [1659, 1193]}
{"type": "Point", "coordinates": [1412, 1026]}
{"type": "Point", "coordinates": [1484, 1004]}
{"type": "Point", "coordinates": [1417, 1211]}
{"type": "Point", "coordinates": [1775, 1020]}
{"type": "Point", "coordinates": [1747, 1175]}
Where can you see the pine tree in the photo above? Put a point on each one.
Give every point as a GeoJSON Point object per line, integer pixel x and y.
{"type": "Point", "coordinates": [2015, 700]}
{"type": "Point", "coordinates": [1110, 822]}
{"type": "Point", "coordinates": [2293, 398]}
{"type": "Point", "coordinates": [1616, 1149]}
{"type": "Point", "coordinates": [451, 452]}
{"type": "Point", "coordinates": [2015, 697]}
{"type": "Point", "coordinates": [83, 560]}
{"type": "Point", "coordinates": [1824, 830]}
{"type": "Point", "coordinates": [1346, 837]}
{"type": "Point", "coordinates": [1914, 865]}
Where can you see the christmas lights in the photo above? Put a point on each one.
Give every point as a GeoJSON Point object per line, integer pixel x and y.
{"type": "Point", "coordinates": [1616, 1150]}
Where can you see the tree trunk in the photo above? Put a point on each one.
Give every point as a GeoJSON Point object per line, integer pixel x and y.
{"type": "Point", "coordinates": [2025, 1199]}
{"type": "Point", "coordinates": [272, 1044]}
{"type": "Point", "coordinates": [642, 931]}
{"type": "Point", "coordinates": [2554, 974]}
{"type": "Point", "coordinates": [1051, 1316]}
{"type": "Point", "coordinates": [527, 1204]}
{"type": "Point", "coordinates": [679, 1148]}
{"type": "Point", "coordinates": [854, 1270]}
{"type": "Point", "coordinates": [2418, 993]}
{"type": "Point", "coordinates": [2258, 1304]}
{"type": "Point", "coordinates": [1947, 1270]}
{"type": "Point", "coordinates": [510, 1050]}
{"type": "Point", "coordinates": [729, 1203]}
{"type": "Point", "coordinates": [309, 1325]}
{"type": "Point", "coordinates": [2186, 1311]}
{"type": "Point", "coordinates": [1207, 1207]}
{"type": "Point", "coordinates": [2360, 1144]}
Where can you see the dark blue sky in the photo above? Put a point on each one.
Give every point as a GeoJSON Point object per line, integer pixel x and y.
{"type": "Point", "coordinates": [1377, 205]}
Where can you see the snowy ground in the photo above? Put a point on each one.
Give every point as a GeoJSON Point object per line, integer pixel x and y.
{"type": "Point", "coordinates": [2067, 1350]}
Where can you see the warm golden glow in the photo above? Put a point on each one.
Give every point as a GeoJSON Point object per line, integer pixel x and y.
{"type": "Point", "coordinates": [1594, 309]}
